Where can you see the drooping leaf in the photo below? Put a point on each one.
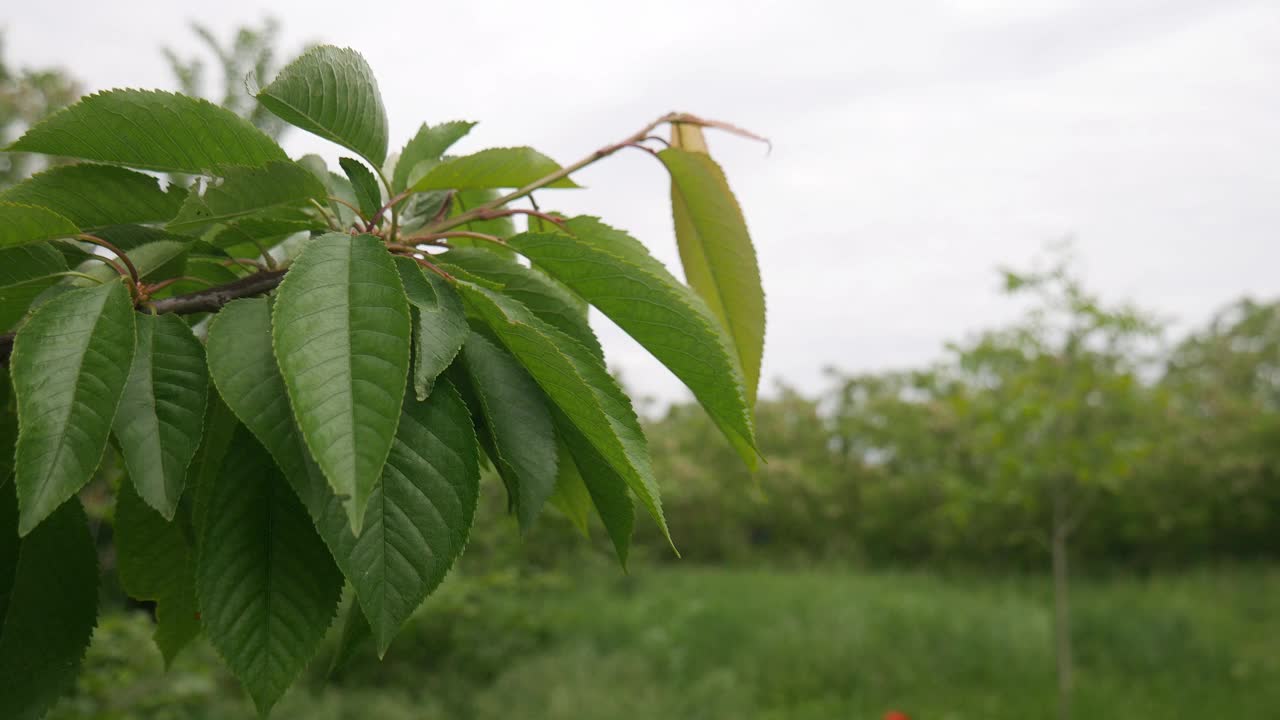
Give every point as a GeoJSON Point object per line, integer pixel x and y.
{"type": "Point", "coordinates": [151, 130]}
{"type": "Point", "coordinates": [243, 367]}
{"type": "Point", "coordinates": [94, 196]}
{"type": "Point", "coordinates": [430, 142]}
{"type": "Point", "coordinates": [511, 167]}
{"type": "Point", "coordinates": [615, 273]}
{"type": "Point", "coordinates": [571, 496]}
{"type": "Point", "coordinates": [160, 418]}
{"type": "Point", "coordinates": [353, 634]}
{"type": "Point", "coordinates": [341, 327]}
{"type": "Point", "coordinates": [519, 423]}
{"type": "Point", "coordinates": [331, 92]}
{"type": "Point", "coordinates": [247, 190]}
{"type": "Point", "coordinates": [716, 251]}
{"type": "Point", "coordinates": [266, 586]}
{"type": "Point", "coordinates": [418, 516]}
{"type": "Point", "coordinates": [25, 272]}
{"type": "Point", "coordinates": [368, 195]}
{"type": "Point", "coordinates": [219, 429]}
{"type": "Point", "coordinates": [69, 366]}
{"type": "Point", "coordinates": [48, 606]}
{"type": "Point", "coordinates": [579, 384]}
{"type": "Point", "coordinates": [548, 299]}
{"type": "Point", "coordinates": [155, 561]}
{"type": "Point", "coordinates": [440, 323]}
{"type": "Point", "coordinates": [607, 488]}
{"type": "Point", "coordinates": [22, 224]}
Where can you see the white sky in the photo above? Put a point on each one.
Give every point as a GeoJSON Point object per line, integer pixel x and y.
{"type": "Point", "coordinates": [917, 144]}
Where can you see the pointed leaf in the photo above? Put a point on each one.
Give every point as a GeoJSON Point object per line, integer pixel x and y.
{"type": "Point", "coordinates": [579, 384]}
{"type": "Point", "coordinates": [440, 323]}
{"type": "Point", "coordinates": [152, 130]}
{"type": "Point", "coordinates": [341, 327]}
{"type": "Point", "coordinates": [159, 421]}
{"type": "Point", "coordinates": [155, 562]}
{"type": "Point", "coordinates": [516, 415]}
{"type": "Point", "coordinates": [267, 588]}
{"type": "Point", "coordinates": [716, 251]}
{"type": "Point", "coordinates": [243, 367]}
{"type": "Point", "coordinates": [607, 488]}
{"type": "Point", "coordinates": [331, 92]}
{"type": "Point", "coordinates": [48, 606]}
{"type": "Point", "coordinates": [615, 273]}
{"type": "Point", "coordinates": [426, 146]}
{"type": "Point", "coordinates": [418, 516]}
{"type": "Point", "coordinates": [22, 224]}
{"type": "Point", "coordinates": [511, 167]}
{"type": "Point", "coordinates": [365, 186]}
{"type": "Point", "coordinates": [571, 496]}
{"type": "Point", "coordinates": [247, 190]}
{"type": "Point", "coordinates": [69, 366]}
{"type": "Point", "coordinates": [94, 196]}
{"type": "Point", "coordinates": [548, 299]}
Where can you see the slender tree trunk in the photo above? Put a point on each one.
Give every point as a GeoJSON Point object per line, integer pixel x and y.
{"type": "Point", "coordinates": [1061, 601]}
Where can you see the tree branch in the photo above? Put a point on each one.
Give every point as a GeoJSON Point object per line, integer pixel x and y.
{"type": "Point", "coordinates": [209, 300]}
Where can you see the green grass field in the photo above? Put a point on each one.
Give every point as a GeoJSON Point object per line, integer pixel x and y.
{"type": "Point", "coordinates": [712, 643]}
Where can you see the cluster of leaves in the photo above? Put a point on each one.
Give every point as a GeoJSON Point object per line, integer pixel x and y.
{"type": "Point", "coordinates": [303, 371]}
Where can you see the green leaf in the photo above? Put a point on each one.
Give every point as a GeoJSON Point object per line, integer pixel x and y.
{"type": "Point", "coordinates": [266, 230]}
{"type": "Point", "coordinates": [607, 488]}
{"type": "Point", "coordinates": [342, 331]}
{"type": "Point", "coordinates": [243, 367]}
{"type": "Point", "coordinates": [579, 384]}
{"type": "Point", "coordinates": [503, 227]}
{"type": "Point", "coordinates": [266, 586]}
{"type": "Point", "coordinates": [426, 146]}
{"type": "Point", "coordinates": [48, 607]}
{"type": "Point", "coordinates": [516, 415]}
{"type": "Point", "coordinates": [69, 366]}
{"type": "Point", "coordinates": [25, 272]}
{"type": "Point", "coordinates": [718, 257]}
{"type": "Point", "coordinates": [155, 562]}
{"type": "Point", "coordinates": [511, 167]}
{"type": "Point", "coordinates": [353, 634]}
{"type": "Point", "coordinates": [331, 92]}
{"type": "Point", "coordinates": [439, 321]}
{"type": "Point", "coordinates": [418, 516]}
{"type": "Point", "coordinates": [248, 190]}
{"type": "Point", "coordinates": [571, 496]}
{"type": "Point", "coordinates": [94, 196]}
{"type": "Point", "coordinates": [615, 273]}
{"type": "Point", "coordinates": [365, 185]}
{"type": "Point", "coordinates": [219, 429]}
{"type": "Point", "coordinates": [21, 224]}
{"type": "Point", "coordinates": [152, 130]}
{"type": "Point", "coordinates": [161, 416]}
{"type": "Point", "coordinates": [548, 299]}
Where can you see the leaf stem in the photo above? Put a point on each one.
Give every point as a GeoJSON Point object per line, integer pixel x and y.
{"type": "Point", "coordinates": [395, 214]}
{"type": "Point", "coordinates": [95, 240]}
{"type": "Point", "coordinates": [632, 140]}
{"type": "Point", "coordinates": [354, 209]}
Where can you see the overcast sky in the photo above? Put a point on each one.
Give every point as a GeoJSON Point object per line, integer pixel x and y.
{"type": "Point", "coordinates": [916, 144]}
